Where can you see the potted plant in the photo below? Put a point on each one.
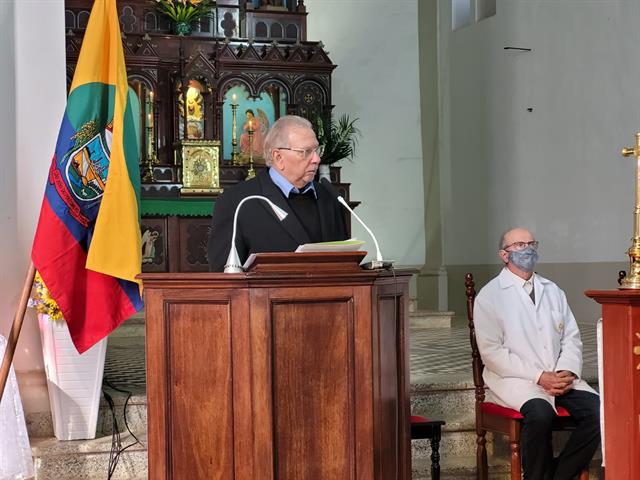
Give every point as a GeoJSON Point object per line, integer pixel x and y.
{"type": "Point", "coordinates": [74, 381]}
{"type": "Point", "coordinates": [184, 12]}
{"type": "Point", "coordinates": [339, 139]}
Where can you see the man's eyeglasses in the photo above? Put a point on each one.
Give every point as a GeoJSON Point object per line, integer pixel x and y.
{"type": "Point", "coordinates": [522, 245]}
{"type": "Point", "coordinates": [306, 153]}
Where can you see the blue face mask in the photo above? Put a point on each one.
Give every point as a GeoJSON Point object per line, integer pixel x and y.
{"type": "Point", "coordinates": [524, 259]}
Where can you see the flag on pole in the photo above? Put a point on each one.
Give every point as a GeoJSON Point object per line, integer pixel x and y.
{"type": "Point", "coordinates": [87, 244]}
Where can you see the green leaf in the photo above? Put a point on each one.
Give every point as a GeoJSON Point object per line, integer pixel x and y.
{"type": "Point", "coordinates": [339, 138]}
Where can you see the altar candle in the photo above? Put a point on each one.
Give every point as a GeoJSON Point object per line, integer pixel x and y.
{"type": "Point", "coordinates": [250, 124]}
{"type": "Point", "coordinates": [234, 98]}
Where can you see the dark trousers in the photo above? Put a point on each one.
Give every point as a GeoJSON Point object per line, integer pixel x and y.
{"type": "Point", "coordinates": [535, 440]}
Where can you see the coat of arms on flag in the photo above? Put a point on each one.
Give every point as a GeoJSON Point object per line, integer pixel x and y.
{"type": "Point", "coordinates": [87, 167]}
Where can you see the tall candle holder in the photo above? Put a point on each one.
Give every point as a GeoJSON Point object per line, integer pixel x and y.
{"type": "Point", "coordinates": [632, 280]}
{"type": "Point", "coordinates": [151, 159]}
{"type": "Point", "coordinates": [235, 156]}
{"type": "Point", "coordinates": [251, 172]}
{"type": "Point", "coordinates": [148, 174]}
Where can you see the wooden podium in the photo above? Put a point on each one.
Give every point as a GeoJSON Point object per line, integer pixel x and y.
{"type": "Point", "coordinates": [295, 370]}
{"type": "Point", "coordinates": [621, 349]}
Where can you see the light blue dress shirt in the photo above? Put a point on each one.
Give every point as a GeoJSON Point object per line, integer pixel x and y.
{"type": "Point", "coordinates": [287, 187]}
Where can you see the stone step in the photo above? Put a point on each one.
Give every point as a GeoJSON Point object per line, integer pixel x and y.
{"type": "Point", "coordinates": [452, 401]}
{"type": "Point", "coordinates": [457, 468]}
{"type": "Point", "coordinates": [88, 459]}
{"type": "Point", "coordinates": [463, 468]}
{"type": "Point", "coordinates": [430, 319]}
{"type": "Point", "coordinates": [449, 398]}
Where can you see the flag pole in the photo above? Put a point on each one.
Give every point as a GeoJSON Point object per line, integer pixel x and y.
{"type": "Point", "coordinates": [15, 328]}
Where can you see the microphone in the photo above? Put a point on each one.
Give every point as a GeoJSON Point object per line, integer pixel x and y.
{"type": "Point", "coordinates": [376, 264]}
{"type": "Point", "coordinates": [233, 264]}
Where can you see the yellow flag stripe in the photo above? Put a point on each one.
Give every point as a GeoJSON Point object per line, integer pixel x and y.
{"type": "Point", "coordinates": [116, 246]}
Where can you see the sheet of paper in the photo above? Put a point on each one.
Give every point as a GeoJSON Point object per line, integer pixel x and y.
{"type": "Point", "coordinates": [351, 245]}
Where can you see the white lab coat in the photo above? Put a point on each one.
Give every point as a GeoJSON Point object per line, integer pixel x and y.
{"type": "Point", "coordinates": [519, 340]}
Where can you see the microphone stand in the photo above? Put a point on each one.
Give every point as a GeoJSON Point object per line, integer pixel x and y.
{"type": "Point", "coordinates": [233, 264]}
{"type": "Point", "coordinates": [376, 264]}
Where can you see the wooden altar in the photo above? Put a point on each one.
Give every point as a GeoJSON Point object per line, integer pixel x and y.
{"type": "Point", "coordinates": [621, 376]}
{"type": "Point", "coordinates": [298, 369]}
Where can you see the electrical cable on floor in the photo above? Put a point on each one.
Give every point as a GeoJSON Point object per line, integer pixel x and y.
{"type": "Point", "coordinates": [116, 442]}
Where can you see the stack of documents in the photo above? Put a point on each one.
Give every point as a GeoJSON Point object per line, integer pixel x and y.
{"type": "Point", "coordinates": [351, 245]}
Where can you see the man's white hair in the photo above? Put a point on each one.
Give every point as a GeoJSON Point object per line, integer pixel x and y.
{"type": "Point", "coordinates": [278, 135]}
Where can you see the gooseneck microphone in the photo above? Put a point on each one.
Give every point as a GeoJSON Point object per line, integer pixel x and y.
{"type": "Point", "coordinates": [378, 263]}
{"type": "Point", "coordinates": [233, 264]}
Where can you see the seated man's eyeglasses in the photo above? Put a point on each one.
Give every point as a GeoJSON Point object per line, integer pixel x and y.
{"type": "Point", "coordinates": [517, 246]}
{"type": "Point", "coordinates": [306, 153]}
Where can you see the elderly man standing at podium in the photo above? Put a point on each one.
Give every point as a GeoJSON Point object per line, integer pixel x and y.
{"type": "Point", "coordinates": [292, 153]}
{"type": "Point", "coordinates": [530, 345]}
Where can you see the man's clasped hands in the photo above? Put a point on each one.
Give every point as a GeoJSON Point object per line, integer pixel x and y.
{"type": "Point", "coordinates": [557, 383]}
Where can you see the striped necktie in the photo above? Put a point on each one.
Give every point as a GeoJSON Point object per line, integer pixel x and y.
{"type": "Point", "coordinates": [528, 287]}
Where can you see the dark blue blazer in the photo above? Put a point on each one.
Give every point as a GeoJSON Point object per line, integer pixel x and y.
{"type": "Point", "coordinates": [259, 230]}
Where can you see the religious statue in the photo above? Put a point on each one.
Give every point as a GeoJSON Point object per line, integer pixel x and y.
{"type": "Point", "coordinates": [149, 238]}
{"type": "Point", "coordinates": [259, 125]}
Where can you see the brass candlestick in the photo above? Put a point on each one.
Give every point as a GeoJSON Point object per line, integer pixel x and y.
{"type": "Point", "coordinates": [632, 280]}
{"type": "Point", "coordinates": [235, 156]}
{"type": "Point", "coordinates": [151, 160]}
{"type": "Point", "coordinates": [251, 172]}
{"type": "Point", "coordinates": [149, 176]}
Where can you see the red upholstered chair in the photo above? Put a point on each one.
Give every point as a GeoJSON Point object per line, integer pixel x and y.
{"type": "Point", "coordinates": [431, 429]}
{"type": "Point", "coordinates": [491, 417]}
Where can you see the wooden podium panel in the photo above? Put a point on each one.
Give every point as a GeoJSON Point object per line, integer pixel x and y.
{"type": "Point", "coordinates": [621, 376]}
{"type": "Point", "coordinates": [283, 374]}
{"type": "Point", "coordinates": [309, 408]}
{"type": "Point", "coordinates": [190, 382]}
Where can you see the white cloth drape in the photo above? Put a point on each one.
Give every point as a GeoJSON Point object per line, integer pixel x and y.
{"type": "Point", "coordinates": [15, 452]}
{"type": "Point", "coordinates": [601, 383]}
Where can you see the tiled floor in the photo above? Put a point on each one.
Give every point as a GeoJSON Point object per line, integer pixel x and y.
{"type": "Point", "coordinates": [125, 364]}
{"type": "Point", "coordinates": [445, 353]}
{"type": "Point", "coordinates": [437, 354]}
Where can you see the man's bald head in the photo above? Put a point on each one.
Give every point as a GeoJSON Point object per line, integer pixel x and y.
{"type": "Point", "coordinates": [514, 235]}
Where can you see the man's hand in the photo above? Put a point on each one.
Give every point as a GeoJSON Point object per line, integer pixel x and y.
{"type": "Point", "coordinates": [569, 376]}
{"type": "Point", "coordinates": [556, 383]}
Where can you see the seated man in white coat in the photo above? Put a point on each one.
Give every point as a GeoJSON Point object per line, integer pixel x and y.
{"type": "Point", "coordinates": [530, 345]}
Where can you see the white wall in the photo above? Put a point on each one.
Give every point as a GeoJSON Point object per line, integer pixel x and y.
{"type": "Point", "coordinates": [375, 45]}
{"type": "Point", "coordinates": [557, 169]}
{"type": "Point", "coordinates": [32, 91]}
{"type": "Point", "coordinates": [9, 288]}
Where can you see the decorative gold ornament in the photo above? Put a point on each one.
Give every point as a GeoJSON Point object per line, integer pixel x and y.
{"type": "Point", "coordinates": [632, 280]}
{"type": "Point", "coordinates": [200, 166]}
{"type": "Point", "coordinates": [636, 350]}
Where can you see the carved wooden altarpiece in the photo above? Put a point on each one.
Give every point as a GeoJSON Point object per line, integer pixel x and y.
{"type": "Point", "coordinates": [258, 52]}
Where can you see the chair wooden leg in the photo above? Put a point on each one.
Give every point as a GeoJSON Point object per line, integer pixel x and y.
{"type": "Point", "coordinates": [482, 467]}
{"type": "Point", "coordinates": [584, 474]}
{"type": "Point", "coordinates": [435, 454]}
{"type": "Point", "coordinates": [516, 466]}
